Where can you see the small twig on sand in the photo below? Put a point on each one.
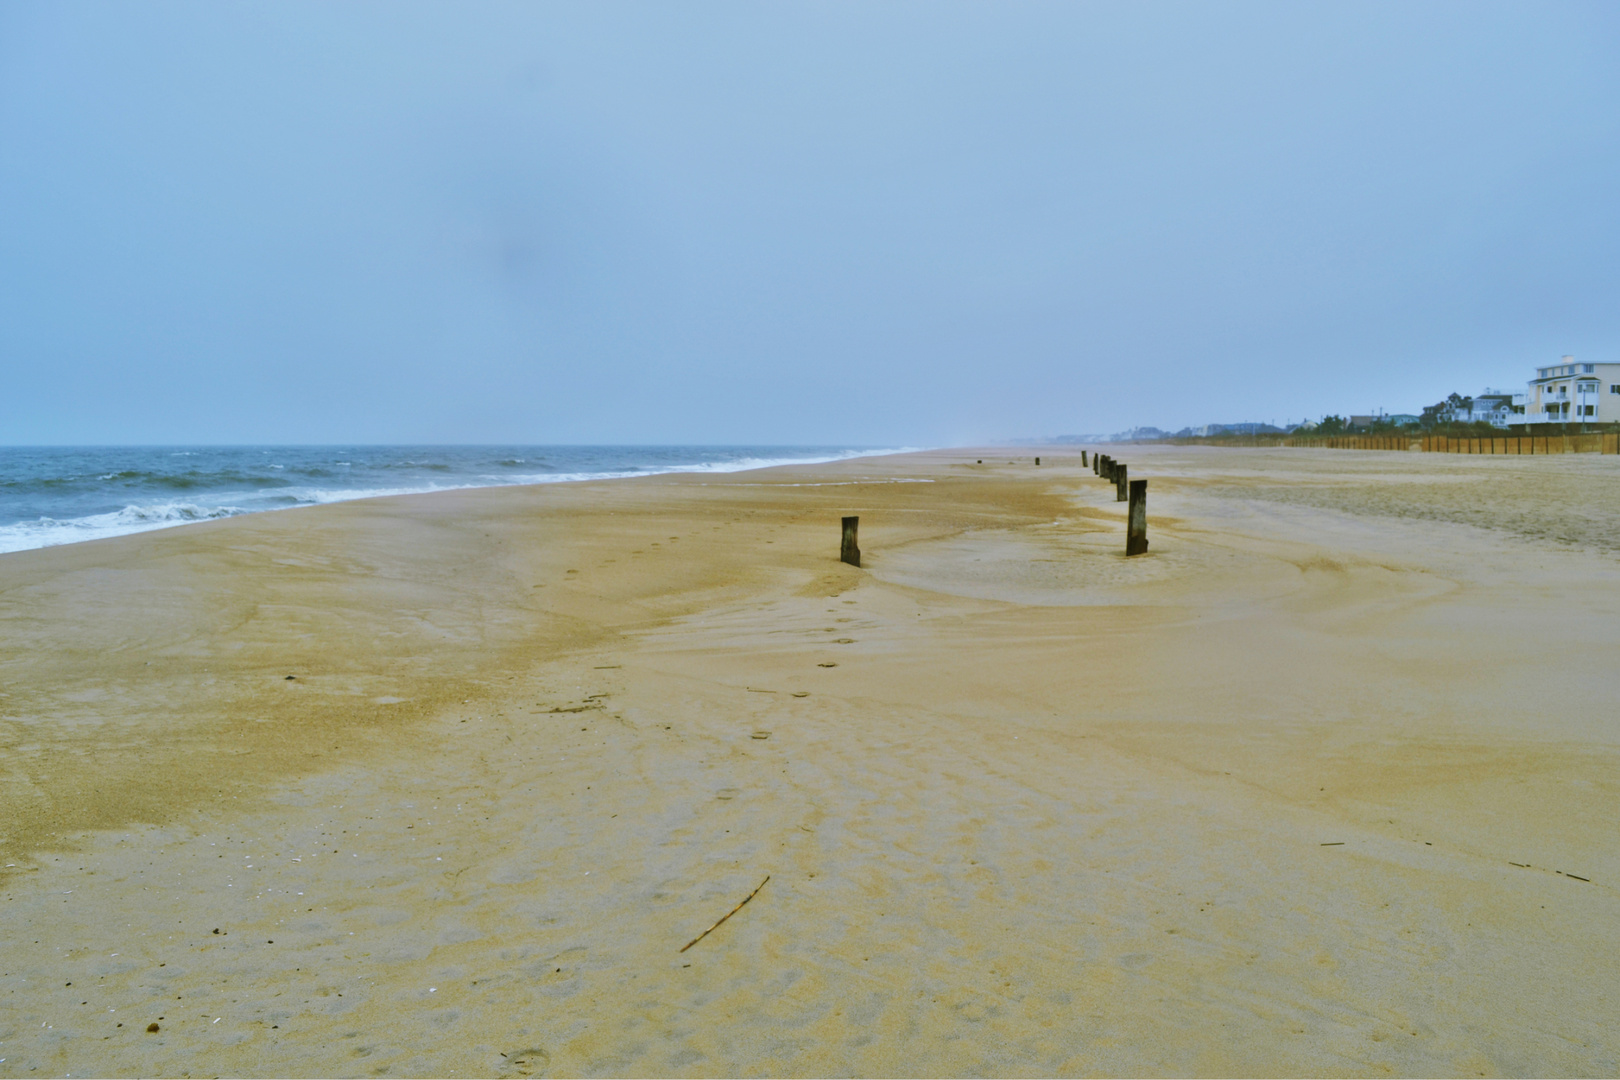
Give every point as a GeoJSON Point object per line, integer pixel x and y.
{"type": "Point", "coordinates": [726, 916]}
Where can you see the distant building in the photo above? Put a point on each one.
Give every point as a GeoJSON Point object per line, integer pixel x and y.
{"type": "Point", "coordinates": [1570, 393]}
{"type": "Point", "coordinates": [1396, 419]}
{"type": "Point", "coordinates": [1206, 430]}
{"type": "Point", "coordinates": [1494, 407]}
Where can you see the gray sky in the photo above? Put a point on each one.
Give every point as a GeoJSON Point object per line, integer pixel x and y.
{"type": "Point", "coordinates": [683, 222]}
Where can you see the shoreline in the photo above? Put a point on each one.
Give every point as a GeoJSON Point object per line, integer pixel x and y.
{"type": "Point", "coordinates": [178, 512]}
{"type": "Point", "coordinates": [1279, 796]}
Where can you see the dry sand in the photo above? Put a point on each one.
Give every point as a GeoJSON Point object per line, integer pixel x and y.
{"type": "Point", "coordinates": [1027, 807]}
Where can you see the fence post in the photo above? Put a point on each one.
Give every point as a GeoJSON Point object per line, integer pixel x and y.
{"type": "Point", "coordinates": [1121, 491]}
{"type": "Point", "coordinates": [1083, 462]}
{"type": "Point", "coordinates": [849, 552]}
{"type": "Point", "coordinates": [1136, 521]}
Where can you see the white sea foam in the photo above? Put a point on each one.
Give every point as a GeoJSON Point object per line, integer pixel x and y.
{"type": "Point", "coordinates": [50, 532]}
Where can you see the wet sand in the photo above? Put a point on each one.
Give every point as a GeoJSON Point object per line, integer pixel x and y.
{"type": "Point", "coordinates": [1325, 783]}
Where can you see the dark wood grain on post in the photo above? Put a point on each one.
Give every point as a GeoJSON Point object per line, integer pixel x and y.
{"type": "Point", "coordinates": [850, 553]}
{"type": "Point", "coordinates": [1136, 527]}
{"type": "Point", "coordinates": [1121, 489]}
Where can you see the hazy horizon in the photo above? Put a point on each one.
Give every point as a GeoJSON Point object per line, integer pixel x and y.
{"type": "Point", "coordinates": [727, 224]}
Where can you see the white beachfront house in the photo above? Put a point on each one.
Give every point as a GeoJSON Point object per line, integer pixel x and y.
{"type": "Point", "coordinates": [1499, 408]}
{"type": "Point", "coordinates": [1569, 393]}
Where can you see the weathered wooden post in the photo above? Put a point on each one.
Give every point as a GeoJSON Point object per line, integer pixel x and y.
{"type": "Point", "coordinates": [1037, 461]}
{"type": "Point", "coordinates": [1136, 527]}
{"type": "Point", "coordinates": [1083, 462]}
{"type": "Point", "coordinates": [1122, 489]}
{"type": "Point", "coordinates": [850, 553]}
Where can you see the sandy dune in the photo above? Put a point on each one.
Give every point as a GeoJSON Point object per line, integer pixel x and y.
{"type": "Point", "coordinates": [1326, 783]}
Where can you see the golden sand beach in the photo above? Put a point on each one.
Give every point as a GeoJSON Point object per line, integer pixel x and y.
{"type": "Point", "coordinates": [1326, 783]}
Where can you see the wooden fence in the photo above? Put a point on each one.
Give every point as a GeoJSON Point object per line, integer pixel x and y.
{"type": "Point", "coordinates": [1448, 444]}
{"type": "Point", "coordinates": [1435, 444]}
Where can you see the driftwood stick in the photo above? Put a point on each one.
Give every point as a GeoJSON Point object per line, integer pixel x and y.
{"type": "Point", "coordinates": [726, 916]}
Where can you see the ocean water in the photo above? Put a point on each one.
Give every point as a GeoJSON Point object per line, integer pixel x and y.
{"type": "Point", "coordinates": [62, 495]}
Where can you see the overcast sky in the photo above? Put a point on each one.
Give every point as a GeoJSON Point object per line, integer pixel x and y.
{"type": "Point", "coordinates": [917, 224]}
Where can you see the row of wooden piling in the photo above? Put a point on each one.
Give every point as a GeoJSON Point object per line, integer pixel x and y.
{"type": "Point", "coordinates": [1125, 490]}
